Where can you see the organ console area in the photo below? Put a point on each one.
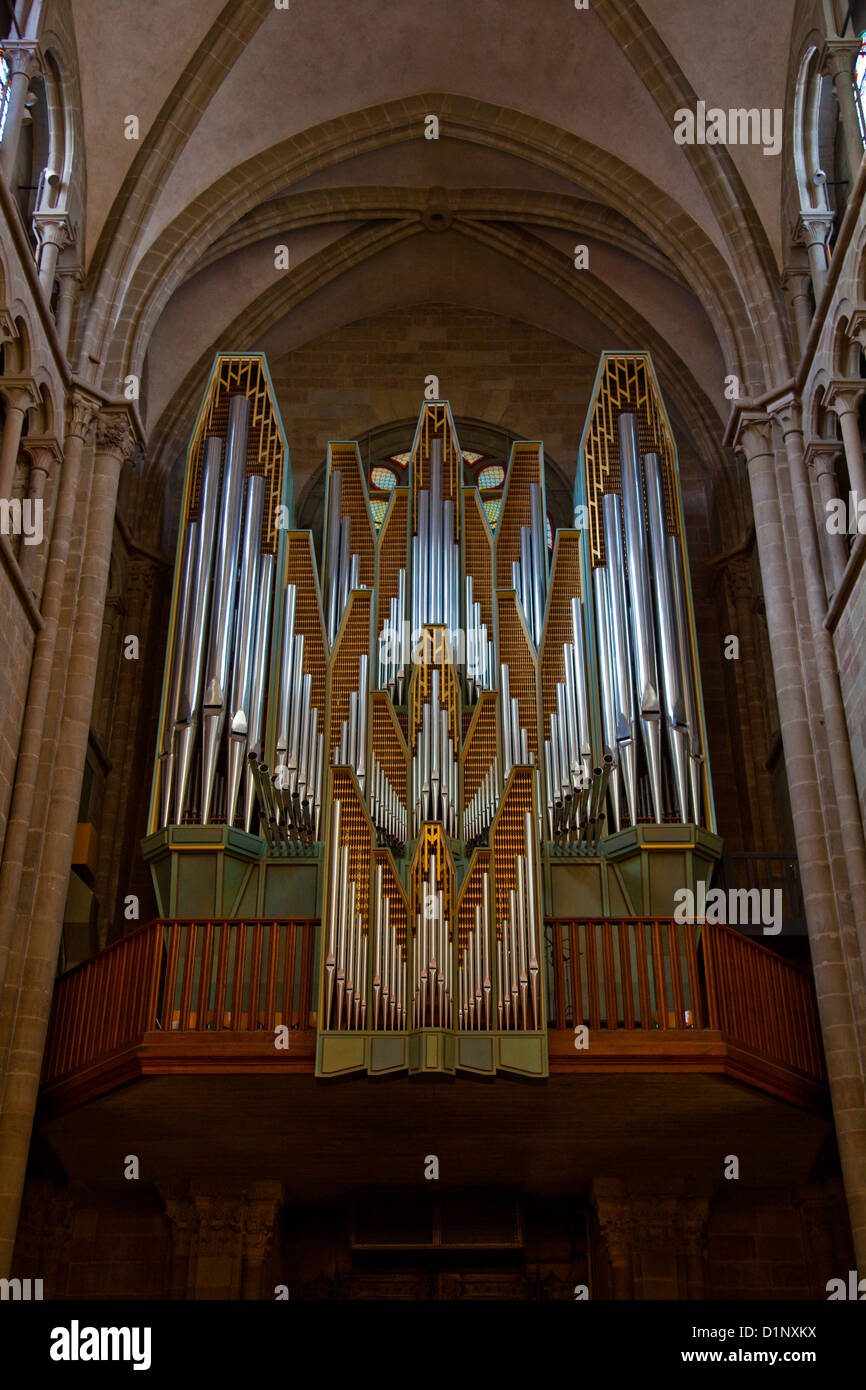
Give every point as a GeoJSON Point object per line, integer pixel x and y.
{"type": "Point", "coordinates": [439, 734]}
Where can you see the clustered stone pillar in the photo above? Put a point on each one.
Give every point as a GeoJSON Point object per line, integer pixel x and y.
{"type": "Point", "coordinates": [28, 994]}
{"type": "Point", "coordinates": [654, 1244]}
{"type": "Point", "coordinates": [221, 1235]}
{"type": "Point", "coordinates": [836, 974]}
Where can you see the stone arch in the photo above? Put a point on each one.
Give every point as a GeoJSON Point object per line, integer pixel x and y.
{"type": "Point", "coordinates": [177, 249]}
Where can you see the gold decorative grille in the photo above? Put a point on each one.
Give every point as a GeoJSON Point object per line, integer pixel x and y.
{"type": "Point", "coordinates": [479, 749]}
{"type": "Point", "coordinates": [391, 550]}
{"type": "Point", "coordinates": [436, 421]}
{"type": "Point", "coordinates": [564, 584]}
{"type": "Point", "coordinates": [353, 643]}
{"type": "Point", "coordinates": [301, 571]}
{"type": "Point", "coordinates": [438, 653]}
{"type": "Point", "coordinates": [626, 383]}
{"type": "Point", "coordinates": [509, 839]}
{"type": "Point", "coordinates": [525, 466]}
{"type": "Point", "coordinates": [516, 650]}
{"type": "Point", "coordinates": [347, 460]}
{"type": "Point", "coordinates": [266, 446]}
{"type": "Point", "coordinates": [470, 896]}
{"type": "Point", "coordinates": [389, 747]}
{"type": "Point", "coordinates": [398, 912]}
{"type": "Point", "coordinates": [478, 556]}
{"type": "Point", "coordinates": [430, 840]}
{"type": "Point", "coordinates": [354, 832]}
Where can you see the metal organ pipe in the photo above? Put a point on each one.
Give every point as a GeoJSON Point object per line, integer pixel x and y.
{"type": "Point", "coordinates": [645, 672]}
{"type": "Point", "coordinates": [223, 609]}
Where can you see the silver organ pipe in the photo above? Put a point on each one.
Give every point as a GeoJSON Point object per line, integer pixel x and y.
{"type": "Point", "coordinates": [644, 670]}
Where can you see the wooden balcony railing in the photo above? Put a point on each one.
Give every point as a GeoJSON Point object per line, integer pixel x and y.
{"type": "Point", "coordinates": [190, 976]}
{"type": "Point", "coordinates": [248, 977]}
{"type": "Point", "coordinates": [657, 973]}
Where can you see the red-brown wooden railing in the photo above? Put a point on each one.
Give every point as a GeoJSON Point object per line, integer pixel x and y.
{"type": "Point", "coordinates": [245, 976]}
{"type": "Point", "coordinates": [657, 973]}
{"type": "Point", "coordinates": [191, 976]}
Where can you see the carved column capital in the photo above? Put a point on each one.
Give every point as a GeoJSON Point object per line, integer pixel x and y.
{"type": "Point", "coordinates": [737, 572]}
{"type": "Point", "coordinates": [844, 397]}
{"type": "Point", "coordinates": [789, 413]}
{"type": "Point", "coordinates": [81, 409]}
{"type": "Point", "coordinates": [754, 434]}
{"type": "Point", "coordinates": [19, 392]}
{"type": "Point", "coordinates": [219, 1225]}
{"type": "Point", "coordinates": [814, 227]}
{"type": "Point", "coordinates": [24, 57]}
{"type": "Point", "coordinates": [838, 56]}
{"type": "Point", "coordinates": [45, 452]}
{"type": "Point", "coordinates": [857, 327]}
{"type": "Point", "coordinates": [821, 455]}
{"type": "Point", "coordinates": [53, 228]}
{"type": "Point", "coordinates": [116, 434]}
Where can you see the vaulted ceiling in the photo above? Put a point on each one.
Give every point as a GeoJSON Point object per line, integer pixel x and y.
{"type": "Point", "coordinates": [305, 127]}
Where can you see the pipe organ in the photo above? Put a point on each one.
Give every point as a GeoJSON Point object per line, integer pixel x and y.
{"type": "Point", "coordinates": [456, 733]}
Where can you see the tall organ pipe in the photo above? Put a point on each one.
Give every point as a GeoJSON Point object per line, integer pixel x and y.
{"type": "Point", "coordinates": [260, 673]}
{"type": "Point", "coordinates": [176, 656]}
{"type": "Point", "coordinates": [605, 666]}
{"type": "Point", "coordinates": [696, 757]}
{"type": "Point", "coordinates": [190, 688]}
{"type": "Point", "coordinates": [239, 709]}
{"type": "Point", "coordinates": [225, 579]}
{"type": "Point", "coordinates": [626, 724]}
{"type": "Point", "coordinates": [643, 638]}
{"type": "Point", "coordinates": [674, 697]}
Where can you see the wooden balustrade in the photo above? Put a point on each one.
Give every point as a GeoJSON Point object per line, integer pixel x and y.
{"type": "Point", "coordinates": [249, 976]}
{"type": "Point", "coordinates": [657, 973]}
{"type": "Point", "coordinates": [192, 976]}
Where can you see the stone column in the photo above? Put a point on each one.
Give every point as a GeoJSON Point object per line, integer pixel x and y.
{"type": "Point", "coordinates": [129, 762]}
{"type": "Point", "coordinates": [788, 413]}
{"type": "Point", "coordinates": [615, 1220]}
{"type": "Point", "coordinates": [740, 593]}
{"type": "Point", "coordinates": [844, 398]}
{"type": "Point", "coordinates": [45, 1236]}
{"type": "Point", "coordinates": [263, 1205]}
{"type": "Point", "coordinates": [216, 1265]}
{"type": "Point", "coordinates": [831, 964]}
{"type": "Point", "coordinates": [114, 440]}
{"type": "Point", "coordinates": [821, 461]}
{"type": "Point", "coordinates": [81, 412]}
{"type": "Point", "coordinates": [182, 1220]}
{"type": "Point", "coordinates": [24, 64]}
{"type": "Point", "coordinates": [694, 1219]}
{"type": "Point", "coordinates": [837, 61]}
{"type": "Point", "coordinates": [813, 230]}
{"type": "Point", "coordinates": [795, 282]}
{"type": "Point", "coordinates": [54, 231]}
{"type": "Point", "coordinates": [45, 460]}
{"type": "Point", "coordinates": [20, 394]}
{"type": "Point", "coordinates": [71, 278]}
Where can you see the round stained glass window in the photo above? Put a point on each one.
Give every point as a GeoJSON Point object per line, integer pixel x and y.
{"type": "Point", "coordinates": [383, 479]}
{"type": "Point", "coordinates": [492, 476]}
